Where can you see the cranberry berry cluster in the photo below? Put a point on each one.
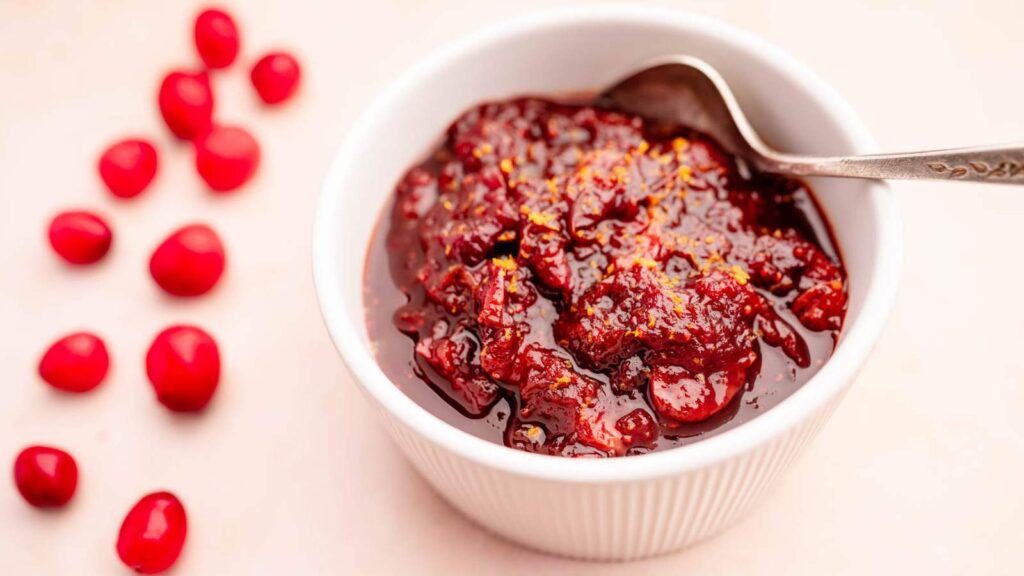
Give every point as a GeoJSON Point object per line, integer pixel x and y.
{"type": "Point", "coordinates": [183, 362]}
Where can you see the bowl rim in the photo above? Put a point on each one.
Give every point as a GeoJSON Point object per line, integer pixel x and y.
{"type": "Point", "coordinates": [840, 368]}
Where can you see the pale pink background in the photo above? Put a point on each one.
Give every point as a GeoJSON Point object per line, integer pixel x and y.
{"type": "Point", "coordinates": [921, 470]}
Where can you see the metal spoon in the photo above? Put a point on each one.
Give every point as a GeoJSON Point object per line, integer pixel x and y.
{"type": "Point", "coordinates": [689, 91]}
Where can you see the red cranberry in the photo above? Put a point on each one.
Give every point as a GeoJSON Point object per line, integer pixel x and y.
{"type": "Point", "coordinates": [189, 262]}
{"type": "Point", "coordinates": [75, 363]}
{"type": "Point", "coordinates": [637, 427]}
{"type": "Point", "coordinates": [186, 103]}
{"type": "Point", "coordinates": [80, 237]}
{"type": "Point", "coordinates": [680, 395]}
{"type": "Point", "coordinates": [153, 533]}
{"type": "Point", "coordinates": [128, 166]}
{"type": "Point", "coordinates": [216, 38]}
{"type": "Point", "coordinates": [183, 364]}
{"type": "Point", "coordinates": [276, 77]}
{"type": "Point", "coordinates": [227, 157]}
{"type": "Point", "coordinates": [45, 476]}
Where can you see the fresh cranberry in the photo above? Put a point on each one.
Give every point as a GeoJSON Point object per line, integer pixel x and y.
{"type": "Point", "coordinates": [189, 262]}
{"type": "Point", "coordinates": [128, 166]}
{"type": "Point", "coordinates": [276, 77]}
{"type": "Point", "coordinates": [75, 363]}
{"type": "Point", "coordinates": [45, 476]}
{"type": "Point", "coordinates": [186, 103]}
{"type": "Point", "coordinates": [153, 533]}
{"type": "Point", "coordinates": [80, 237]}
{"type": "Point", "coordinates": [227, 157]}
{"type": "Point", "coordinates": [183, 364]}
{"type": "Point", "coordinates": [216, 38]}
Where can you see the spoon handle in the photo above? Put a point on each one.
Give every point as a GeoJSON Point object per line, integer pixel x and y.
{"type": "Point", "coordinates": [995, 164]}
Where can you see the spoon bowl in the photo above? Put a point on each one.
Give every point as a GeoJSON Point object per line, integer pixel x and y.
{"type": "Point", "coordinates": [689, 91]}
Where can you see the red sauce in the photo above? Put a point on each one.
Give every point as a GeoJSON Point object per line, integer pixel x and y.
{"type": "Point", "coordinates": [571, 280]}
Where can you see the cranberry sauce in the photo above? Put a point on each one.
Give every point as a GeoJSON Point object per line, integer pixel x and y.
{"type": "Point", "coordinates": [572, 280]}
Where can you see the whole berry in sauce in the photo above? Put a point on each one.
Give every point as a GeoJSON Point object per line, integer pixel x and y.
{"type": "Point", "coordinates": [153, 533]}
{"type": "Point", "coordinates": [76, 363]}
{"type": "Point", "coordinates": [128, 166]}
{"type": "Point", "coordinates": [227, 157]}
{"type": "Point", "coordinates": [276, 77]}
{"type": "Point", "coordinates": [183, 365]}
{"type": "Point", "coordinates": [186, 103]}
{"type": "Point", "coordinates": [45, 476]}
{"type": "Point", "coordinates": [80, 237]}
{"type": "Point", "coordinates": [189, 262]}
{"type": "Point", "coordinates": [638, 427]}
{"type": "Point", "coordinates": [216, 37]}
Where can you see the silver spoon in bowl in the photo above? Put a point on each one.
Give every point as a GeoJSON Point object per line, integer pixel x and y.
{"type": "Point", "coordinates": [691, 92]}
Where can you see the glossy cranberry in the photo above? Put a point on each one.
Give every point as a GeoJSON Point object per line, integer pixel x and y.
{"type": "Point", "coordinates": [276, 77]}
{"type": "Point", "coordinates": [80, 237]}
{"type": "Point", "coordinates": [128, 166]}
{"type": "Point", "coordinates": [186, 104]}
{"type": "Point", "coordinates": [638, 427]}
{"type": "Point", "coordinates": [679, 395]}
{"type": "Point", "coordinates": [227, 157]}
{"type": "Point", "coordinates": [821, 307]}
{"type": "Point", "coordinates": [76, 363]}
{"type": "Point", "coordinates": [45, 476]}
{"type": "Point", "coordinates": [183, 364]}
{"type": "Point", "coordinates": [216, 38]}
{"type": "Point", "coordinates": [153, 533]}
{"type": "Point", "coordinates": [189, 262]}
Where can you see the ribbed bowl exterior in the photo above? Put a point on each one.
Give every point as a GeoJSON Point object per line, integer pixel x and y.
{"type": "Point", "coordinates": [608, 521]}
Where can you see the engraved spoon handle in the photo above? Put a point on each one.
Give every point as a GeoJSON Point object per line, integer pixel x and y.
{"type": "Point", "coordinates": [995, 164]}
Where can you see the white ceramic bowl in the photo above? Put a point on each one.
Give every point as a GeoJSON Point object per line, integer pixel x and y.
{"type": "Point", "coordinates": [614, 508]}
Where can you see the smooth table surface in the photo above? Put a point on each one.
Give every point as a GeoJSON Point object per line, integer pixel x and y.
{"type": "Point", "coordinates": [920, 470]}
